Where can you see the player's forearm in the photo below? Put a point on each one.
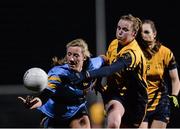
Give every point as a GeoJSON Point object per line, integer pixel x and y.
{"type": "Point", "coordinates": [175, 87]}
{"type": "Point", "coordinates": [45, 95]}
{"type": "Point", "coordinates": [174, 81]}
{"type": "Point", "coordinates": [119, 65]}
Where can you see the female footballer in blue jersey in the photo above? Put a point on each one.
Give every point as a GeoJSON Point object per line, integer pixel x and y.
{"type": "Point", "coordinates": [159, 60]}
{"type": "Point", "coordinates": [62, 103]}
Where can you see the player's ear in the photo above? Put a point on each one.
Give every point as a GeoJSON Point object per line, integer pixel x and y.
{"type": "Point", "coordinates": [155, 34]}
{"type": "Point", "coordinates": [134, 33]}
{"type": "Point", "coordinates": [85, 58]}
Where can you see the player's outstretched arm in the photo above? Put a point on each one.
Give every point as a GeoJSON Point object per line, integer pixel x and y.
{"type": "Point", "coordinates": [104, 71]}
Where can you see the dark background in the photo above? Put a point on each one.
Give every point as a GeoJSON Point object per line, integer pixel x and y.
{"type": "Point", "coordinates": [33, 31]}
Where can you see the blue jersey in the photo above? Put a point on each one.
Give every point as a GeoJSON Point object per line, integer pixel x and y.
{"type": "Point", "coordinates": [65, 102]}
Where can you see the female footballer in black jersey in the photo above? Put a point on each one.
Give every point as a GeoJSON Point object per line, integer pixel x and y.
{"type": "Point", "coordinates": [125, 96]}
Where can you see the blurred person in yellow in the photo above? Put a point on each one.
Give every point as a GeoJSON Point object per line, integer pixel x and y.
{"type": "Point", "coordinates": [96, 112]}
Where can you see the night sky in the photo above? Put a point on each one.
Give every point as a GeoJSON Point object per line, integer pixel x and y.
{"type": "Point", "coordinates": [32, 32]}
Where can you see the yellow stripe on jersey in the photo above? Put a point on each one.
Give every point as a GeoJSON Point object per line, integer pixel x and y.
{"type": "Point", "coordinates": [53, 86]}
{"type": "Point", "coordinates": [52, 80]}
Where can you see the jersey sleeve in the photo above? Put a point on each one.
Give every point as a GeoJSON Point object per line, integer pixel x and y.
{"type": "Point", "coordinates": [55, 77]}
{"type": "Point", "coordinates": [169, 59]}
{"type": "Point", "coordinates": [130, 54]}
{"type": "Point", "coordinates": [122, 62]}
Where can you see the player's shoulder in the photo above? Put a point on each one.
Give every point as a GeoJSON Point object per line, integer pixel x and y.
{"type": "Point", "coordinates": [164, 48]}
{"type": "Point", "coordinates": [59, 70]}
{"type": "Point", "coordinates": [113, 44]}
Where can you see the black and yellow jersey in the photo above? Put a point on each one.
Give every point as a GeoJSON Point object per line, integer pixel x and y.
{"type": "Point", "coordinates": [156, 66]}
{"type": "Point", "coordinates": [138, 63]}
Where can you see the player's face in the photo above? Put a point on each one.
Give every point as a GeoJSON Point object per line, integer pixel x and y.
{"type": "Point", "coordinates": [147, 33]}
{"type": "Point", "coordinates": [75, 58]}
{"type": "Point", "coordinates": [124, 31]}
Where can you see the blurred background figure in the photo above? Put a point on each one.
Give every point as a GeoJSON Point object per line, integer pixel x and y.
{"type": "Point", "coordinates": [97, 115]}
{"type": "Point", "coordinates": [160, 60]}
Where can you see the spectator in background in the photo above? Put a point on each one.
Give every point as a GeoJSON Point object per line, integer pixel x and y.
{"type": "Point", "coordinates": [159, 59]}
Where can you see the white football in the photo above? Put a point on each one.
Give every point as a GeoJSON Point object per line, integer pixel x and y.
{"type": "Point", "coordinates": [35, 79]}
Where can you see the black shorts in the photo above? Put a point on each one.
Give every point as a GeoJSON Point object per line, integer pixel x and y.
{"type": "Point", "coordinates": [48, 122]}
{"type": "Point", "coordinates": [161, 113]}
{"type": "Point", "coordinates": [134, 114]}
{"type": "Point", "coordinates": [134, 102]}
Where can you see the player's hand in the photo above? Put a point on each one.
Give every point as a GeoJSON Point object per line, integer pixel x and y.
{"type": "Point", "coordinates": [78, 77]}
{"type": "Point", "coordinates": [174, 100]}
{"type": "Point", "coordinates": [31, 102]}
